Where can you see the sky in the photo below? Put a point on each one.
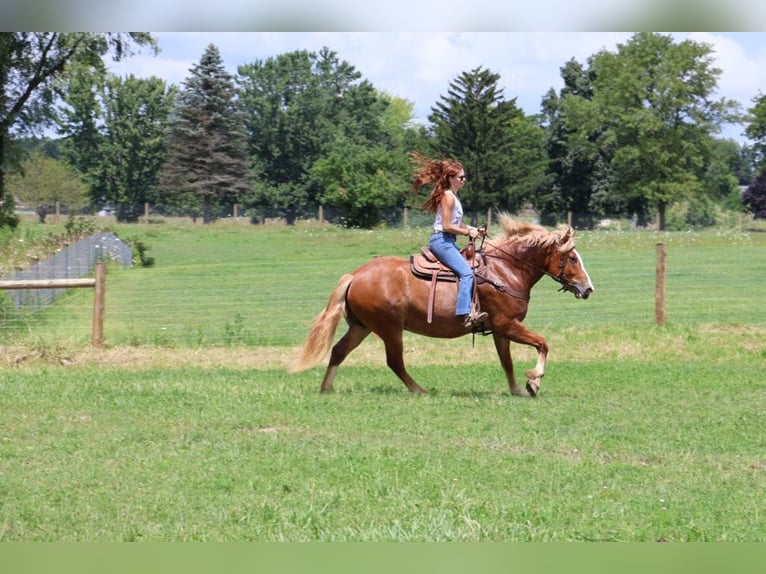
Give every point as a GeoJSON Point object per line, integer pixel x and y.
{"type": "Point", "coordinates": [419, 66]}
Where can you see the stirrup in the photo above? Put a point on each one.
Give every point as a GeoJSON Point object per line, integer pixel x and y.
{"type": "Point", "coordinates": [474, 318]}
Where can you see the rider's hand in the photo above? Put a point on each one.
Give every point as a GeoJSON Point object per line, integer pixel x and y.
{"type": "Point", "coordinates": [473, 232]}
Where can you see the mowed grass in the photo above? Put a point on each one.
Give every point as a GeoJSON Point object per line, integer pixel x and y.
{"type": "Point", "coordinates": [628, 451]}
{"type": "Point", "coordinates": [640, 433]}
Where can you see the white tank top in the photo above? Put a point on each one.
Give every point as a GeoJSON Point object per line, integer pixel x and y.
{"type": "Point", "coordinates": [457, 214]}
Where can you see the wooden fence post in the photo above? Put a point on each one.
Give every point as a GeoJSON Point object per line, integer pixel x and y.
{"type": "Point", "coordinates": [99, 290]}
{"type": "Point", "coordinates": [659, 288]}
{"type": "Point", "coordinates": [98, 305]}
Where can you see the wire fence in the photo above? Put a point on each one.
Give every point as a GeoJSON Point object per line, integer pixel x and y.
{"type": "Point", "coordinates": [265, 299]}
{"type": "Point", "coordinates": [73, 262]}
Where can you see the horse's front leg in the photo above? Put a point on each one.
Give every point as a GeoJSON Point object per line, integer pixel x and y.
{"type": "Point", "coordinates": [535, 376]}
{"type": "Point", "coordinates": [518, 333]}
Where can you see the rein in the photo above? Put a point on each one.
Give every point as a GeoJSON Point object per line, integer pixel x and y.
{"type": "Point", "coordinates": [560, 278]}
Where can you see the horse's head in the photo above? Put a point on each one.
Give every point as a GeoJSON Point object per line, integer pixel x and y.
{"type": "Point", "coordinates": [568, 268]}
{"type": "Point", "coordinates": [546, 252]}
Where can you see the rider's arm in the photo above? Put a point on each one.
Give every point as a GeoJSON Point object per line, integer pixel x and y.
{"type": "Point", "coordinates": [448, 206]}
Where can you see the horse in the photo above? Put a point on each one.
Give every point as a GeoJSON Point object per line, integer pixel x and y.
{"type": "Point", "coordinates": [383, 296]}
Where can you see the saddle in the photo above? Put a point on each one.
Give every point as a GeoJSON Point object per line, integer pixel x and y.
{"type": "Point", "coordinates": [425, 265]}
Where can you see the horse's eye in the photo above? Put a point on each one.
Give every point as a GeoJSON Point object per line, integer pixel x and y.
{"type": "Point", "coordinates": [572, 258]}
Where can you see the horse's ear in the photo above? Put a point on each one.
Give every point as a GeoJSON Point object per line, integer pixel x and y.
{"type": "Point", "coordinates": [567, 233]}
{"type": "Point", "coordinates": [567, 237]}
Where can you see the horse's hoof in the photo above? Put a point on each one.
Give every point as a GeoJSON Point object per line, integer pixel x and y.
{"type": "Point", "coordinates": [532, 388]}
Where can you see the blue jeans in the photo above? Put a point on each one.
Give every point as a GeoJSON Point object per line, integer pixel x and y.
{"type": "Point", "coordinates": [443, 245]}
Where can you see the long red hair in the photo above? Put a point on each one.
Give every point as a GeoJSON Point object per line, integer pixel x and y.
{"type": "Point", "coordinates": [433, 171]}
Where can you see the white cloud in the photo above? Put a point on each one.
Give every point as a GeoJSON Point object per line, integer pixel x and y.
{"type": "Point", "coordinates": [743, 69]}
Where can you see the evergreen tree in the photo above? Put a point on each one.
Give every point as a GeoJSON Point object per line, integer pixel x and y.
{"type": "Point", "coordinates": [475, 125]}
{"type": "Point", "coordinates": [207, 141]}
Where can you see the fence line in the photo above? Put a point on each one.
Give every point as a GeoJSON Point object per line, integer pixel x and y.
{"type": "Point", "coordinates": [265, 298]}
{"type": "Point", "coordinates": [98, 283]}
{"type": "Point", "coordinates": [74, 262]}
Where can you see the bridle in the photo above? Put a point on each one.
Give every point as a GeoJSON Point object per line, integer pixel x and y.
{"type": "Point", "coordinates": [559, 278]}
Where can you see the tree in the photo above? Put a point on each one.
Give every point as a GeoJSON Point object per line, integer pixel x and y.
{"type": "Point", "coordinates": [755, 196]}
{"type": "Point", "coordinates": [475, 125]}
{"type": "Point", "coordinates": [79, 116]}
{"type": "Point", "coordinates": [207, 142]}
{"type": "Point", "coordinates": [300, 106]}
{"type": "Point", "coordinates": [30, 65]}
{"type": "Point", "coordinates": [578, 172]}
{"type": "Point", "coordinates": [361, 181]}
{"type": "Point", "coordinates": [113, 132]}
{"type": "Point", "coordinates": [653, 100]}
{"type": "Point", "coordinates": [43, 182]}
{"type": "Point", "coordinates": [756, 129]}
{"type": "Point", "coordinates": [719, 182]}
{"type": "Point", "coordinates": [136, 113]}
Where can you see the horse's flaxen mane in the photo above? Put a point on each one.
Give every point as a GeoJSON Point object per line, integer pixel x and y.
{"type": "Point", "coordinates": [530, 234]}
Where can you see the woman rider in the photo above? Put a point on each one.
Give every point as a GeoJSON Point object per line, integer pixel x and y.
{"type": "Point", "coordinates": [448, 177]}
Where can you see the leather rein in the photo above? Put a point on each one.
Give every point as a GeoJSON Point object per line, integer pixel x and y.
{"type": "Point", "coordinates": [560, 278]}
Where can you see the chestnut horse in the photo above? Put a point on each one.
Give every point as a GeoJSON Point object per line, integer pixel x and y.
{"type": "Point", "coordinates": [384, 297]}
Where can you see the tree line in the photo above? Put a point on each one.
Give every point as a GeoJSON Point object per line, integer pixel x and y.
{"type": "Point", "coordinates": [632, 132]}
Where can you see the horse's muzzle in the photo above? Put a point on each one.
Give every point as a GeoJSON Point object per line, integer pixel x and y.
{"type": "Point", "coordinates": [578, 291]}
{"type": "Point", "coordinates": [582, 293]}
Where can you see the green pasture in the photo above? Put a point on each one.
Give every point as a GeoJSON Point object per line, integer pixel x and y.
{"type": "Point", "coordinates": [630, 450]}
{"type": "Point", "coordinates": [640, 433]}
{"type": "Point", "coordinates": [239, 284]}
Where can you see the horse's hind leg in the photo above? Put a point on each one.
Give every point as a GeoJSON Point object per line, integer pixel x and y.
{"type": "Point", "coordinates": [395, 361]}
{"type": "Point", "coordinates": [503, 348]}
{"type": "Point", "coordinates": [354, 336]}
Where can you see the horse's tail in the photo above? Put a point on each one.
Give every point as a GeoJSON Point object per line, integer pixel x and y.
{"type": "Point", "coordinates": [323, 328]}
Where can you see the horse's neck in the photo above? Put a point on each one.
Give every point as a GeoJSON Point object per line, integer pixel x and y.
{"type": "Point", "coordinates": [524, 265]}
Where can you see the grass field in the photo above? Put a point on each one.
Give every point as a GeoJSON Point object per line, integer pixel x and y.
{"type": "Point", "coordinates": [231, 285]}
{"type": "Point", "coordinates": [197, 432]}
